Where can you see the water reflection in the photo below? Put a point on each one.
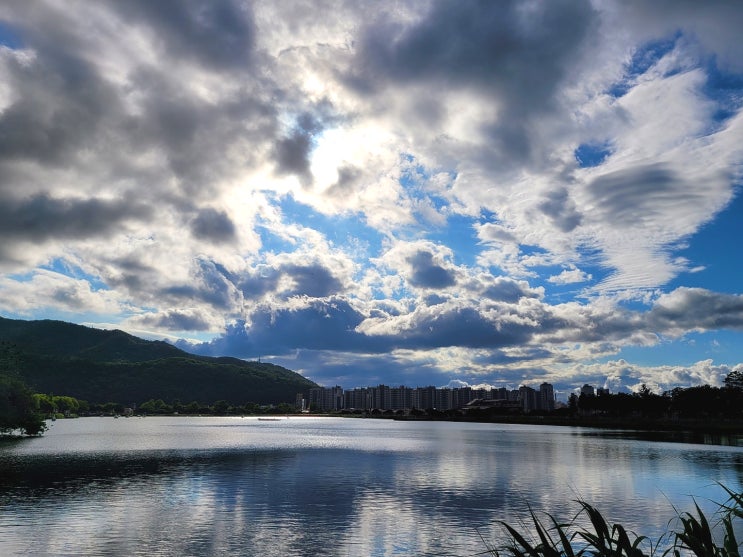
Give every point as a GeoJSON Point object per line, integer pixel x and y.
{"type": "Point", "coordinates": [691, 437]}
{"type": "Point", "coordinates": [328, 487]}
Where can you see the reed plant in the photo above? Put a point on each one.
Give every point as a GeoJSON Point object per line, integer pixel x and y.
{"type": "Point", "coordinates": [589, 534]}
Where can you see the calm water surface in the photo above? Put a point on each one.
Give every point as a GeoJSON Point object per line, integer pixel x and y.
{"type": "Point", "coordinates": [326, 486]}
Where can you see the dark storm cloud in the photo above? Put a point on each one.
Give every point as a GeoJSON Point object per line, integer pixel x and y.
{"type": "Point", "coordinates": [508, 290]}
{"type": "Point", "coordinates": [480, 42]}
{"type": "Point", "coordinates": [64, 108]}
{"type": "Point", "coordinates": [692, 308]}
{"type": "Point", "coordinates": [70, 297]}
{"type": "Point", "coordinates": [175, 320]}
{"type": "Point", "coordinates": [218, 33]}
{"type": "Point", "coordinates": [292, 154]}
{"type": "Point", "coordinates": [677, 313]}
{"type": "Point", "coordinates": [233, 342]}
{"type": "Point", "coordinates": [211, 284]}
{"type": "Point", "coordinates": [199, 139]}
{"type": "Point", "coordinates": [42, 218]}
{"type": "Point", "coordinates": [459, 326]}
{"type": "Point", "coordinates": [313, 280]}
{"type": "Point", "coordinates": [129, 272]}
{"type": "Point", "coordinates": [558, 206]}
{"type": "Point", "coordinates": [259, 283]}
{"type": "Point", "coordinates": [716, 23]}
{"type": "Point", "coordinates": [213, 225]}
{"type": "Point", "coordinates": [427, 274]}
{"type": "Point", "coordinates": [515, 51]}
{"type": "Point", "coordinates": [589, 325]}
{"type": "Point", "coordinates": [60, 108]}
{"type": "Point", "coordinates": [636, 196]}
{"type": "Point", "coordinates": [318, 324]}
{"type": "Point", "coordinates": [333, 324]}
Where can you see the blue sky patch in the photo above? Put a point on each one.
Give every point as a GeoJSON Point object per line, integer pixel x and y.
{"type": "Point", "coordinates": [346, 231]}
{"type": "Point", "coordinates": [724, 89]}
{"type": "Point", "coordinates": [592, 154]}
{"type": "Point", "coordinates": [9, 36]}
{"type": "Point", "coordinates": [642, 60]}
{"type": "Point", "coordinates": [711, 247]}
{"type": "Point", "coordinates": [64, 267]}
{"type": "Point", "coordinates": [460, 236]}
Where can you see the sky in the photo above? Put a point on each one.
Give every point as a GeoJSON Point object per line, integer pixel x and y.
{"type": "Point", "coordinates": [412, 193]}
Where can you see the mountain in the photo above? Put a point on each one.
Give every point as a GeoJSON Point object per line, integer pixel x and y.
{"type": "Point", "coordinates": [113, 366]}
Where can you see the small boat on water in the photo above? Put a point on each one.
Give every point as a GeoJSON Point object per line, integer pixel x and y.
{"type": "Point", "coordinates": [270, 419]}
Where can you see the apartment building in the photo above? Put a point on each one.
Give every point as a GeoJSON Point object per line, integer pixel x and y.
{"type": "Point", "coordinates": [384, 397]}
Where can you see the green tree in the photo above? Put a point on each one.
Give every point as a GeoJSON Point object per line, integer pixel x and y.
{"type": "Point", "coordinates": [66, 404]}
{"type": "Point", "coordinates": [155, 407]}
{"type": "Point", "coordinates": [285, 408]}
{"type": "Point", "coordinates": [45, 404]}
{"type": "Point", "coordinates": [573, 403]}
{"type": "Point", "coordinates": [18, 408]}
{"type": "Point", "coordinates": [734, 379]}
{"type": "Point", "coordinates": [221, 408]}
{"type": "Point", "coordinates": [113, 408]}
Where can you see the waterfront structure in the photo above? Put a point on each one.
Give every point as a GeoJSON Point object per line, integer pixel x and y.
{"type": "Point", "coordinates": [326, 399]}
{"type": "Point", "coordinates": [404, 399]}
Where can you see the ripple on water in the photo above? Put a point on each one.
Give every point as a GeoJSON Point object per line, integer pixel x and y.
{"type": "Point", "coordinates": [209, 486]}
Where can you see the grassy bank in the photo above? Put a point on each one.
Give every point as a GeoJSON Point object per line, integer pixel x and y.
{"type": "Point", "coordinates": [695, 535]}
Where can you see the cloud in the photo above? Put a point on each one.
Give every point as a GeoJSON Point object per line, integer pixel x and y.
{"type": "Point", "coordinates": [176, 320]}
{"type": "Point", "coordinates": [507, 290]}
{"type": "Point", "coordinates": [570, 276]}
{"type": "Point", "coordinates": [213, 225]}
{"type": "Point", "coordinates": [686, 309]}
{"type": "Point", "coordinates": [405, 190]}
{"type": "Point", "coordinates": [483, 43]}
{"type": "Point", "coordinates": [426, 274]}
{"type": "Point", "coordinates": [304, 323]}
{"type": "Point", "coordinates": [41, 217]}
{"type": "Point", "coordinates": [60, 293]}
{"type": "Point", "coordinates": [461, 47]}
{"type": "Point", "coordinates": [622, 376]}
{"type": "Point", "coordinates": [220, 33]}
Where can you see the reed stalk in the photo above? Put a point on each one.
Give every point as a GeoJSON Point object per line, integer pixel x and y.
{"type": "Point", "coordinates": [589, 533]}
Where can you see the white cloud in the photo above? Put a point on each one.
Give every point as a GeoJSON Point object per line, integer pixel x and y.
{"type": "Point", "coordinates": [570, 276]}
{"type": "Point", "coordinates": [60, 293]}
{"type": "Point", "coordinates": [197, 176]}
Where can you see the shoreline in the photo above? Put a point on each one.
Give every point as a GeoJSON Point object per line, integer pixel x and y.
{"type": "Point", "coordinates": [637, 424]}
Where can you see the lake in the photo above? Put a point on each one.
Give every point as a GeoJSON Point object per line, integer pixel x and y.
{"type": "Point", "coordinates": [332, 486]}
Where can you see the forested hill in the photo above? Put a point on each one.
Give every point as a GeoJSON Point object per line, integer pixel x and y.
{"type": "Point", "coordinates": [113, 366]}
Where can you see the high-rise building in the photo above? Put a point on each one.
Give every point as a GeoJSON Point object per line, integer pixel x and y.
{"type": "Point", "coordinates": [546, 397]}
{"type": "Point", "coordinates": [327, 399]}
{"type": "Point", "coordinates": [528, 398]}
{"type": "Point", "coordinates": [587, 390]}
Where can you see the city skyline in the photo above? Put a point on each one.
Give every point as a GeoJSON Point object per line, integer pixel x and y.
{"type": "Point", "coordinates": [401, 397]}
{"type": "Point", "coordinates": [424, 192]}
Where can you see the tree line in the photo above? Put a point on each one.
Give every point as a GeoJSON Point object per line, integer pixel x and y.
{"type": "Point", "coordinates": [695, 403]}
{"type": "Point", "coordinates": [26, 412]}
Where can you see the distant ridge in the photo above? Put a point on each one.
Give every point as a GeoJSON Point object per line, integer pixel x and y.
{"type": "Point", "coordinates": [113, 366]}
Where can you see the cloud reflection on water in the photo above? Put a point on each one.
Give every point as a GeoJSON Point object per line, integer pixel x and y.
{"type": "Point", "coordinates": [427, 488]}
